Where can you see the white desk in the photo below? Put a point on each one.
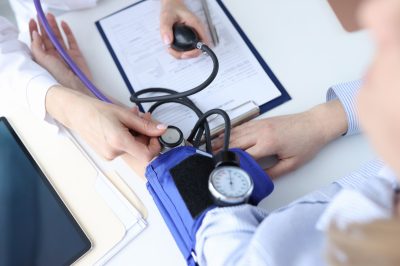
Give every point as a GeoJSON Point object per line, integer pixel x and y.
{"type": "Point", "coordinates": [307, 49]}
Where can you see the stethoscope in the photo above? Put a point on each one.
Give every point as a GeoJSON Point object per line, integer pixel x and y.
{"type": "Point", "coordinates": [185, 39]}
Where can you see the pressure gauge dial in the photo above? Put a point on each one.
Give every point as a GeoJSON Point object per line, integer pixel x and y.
{"type": "Point", "coordinates": [230, 185]}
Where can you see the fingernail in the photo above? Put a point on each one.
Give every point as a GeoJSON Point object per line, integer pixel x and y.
{"type": "Point", "coordinates": [162, 126]}
{"type": "Point", "coordinates": [34, 34]}
{"type": "Point", "coordinates": [167, 40]}
{"type": "Point", "coordinates": [185, 56]}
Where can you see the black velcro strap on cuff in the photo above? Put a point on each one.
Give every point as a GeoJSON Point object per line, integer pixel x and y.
{"type": "Point", "coordinates": [191, 179]}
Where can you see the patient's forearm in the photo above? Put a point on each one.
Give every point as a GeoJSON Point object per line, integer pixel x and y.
{"type": "Point", "coordinates": [331, 118]}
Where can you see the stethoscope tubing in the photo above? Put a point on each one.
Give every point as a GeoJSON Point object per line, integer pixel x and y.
{"type": "Point", "coordinates": [173, 96]}
{"type": "Point", "coordinates": [187, 93]}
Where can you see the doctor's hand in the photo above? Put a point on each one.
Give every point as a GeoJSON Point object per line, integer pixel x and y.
{"type": "Point", "coordinates": [294, 139]}
{"type": "Point", "coordinates": [46, 55]}
{"type": "Point", "coordinates": [175, 11]}
{"type": "Point", "coordinates": [109, 129]}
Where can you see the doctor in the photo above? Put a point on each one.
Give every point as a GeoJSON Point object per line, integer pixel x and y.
{"type": "Point", "coordinates": [59, 97]}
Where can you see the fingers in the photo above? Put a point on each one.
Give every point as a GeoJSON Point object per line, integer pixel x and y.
{"type": "Point", "coordinates": [191, 54]}
{"type": "Point", "coordinates": [141, 147]}
{"type": "Point", "coordinates": [72, 43]}
{"type": "Point", "coordinates": [240, 137]}
{"type": "Point", "coordinates": [184, 55]}
{"type": "Point", "coordinates": [32, 27]}
{"type": "Point", "coordinates": [180, 14]}
{"type": "Point", "coordinates": [37, 46]}
{"type": "Point", "coordinates": [144, 146]}
{"type": "Point", "coordinates": [243, 143]}
{"type": "Point", "coordinates": [135, 110]}
{"type": "Point", "coordinates": [56, 30]}
{"type": "Point", "coordinates": [243, 130]}
{"type": "Point", "coordinates": [123, 141]}
{"type": "Point", "coordinates": [46, 41]}
{"type": "Point", "coordinates": [36, 40]}
{"type": "Point", "coordinates": [141, 125]}
{"type": "Point", "coordinates": [154, 147]}
{"type": "Point", "coordinates": [217, 143]}
{"type": "Point", "coordinates": [284, 166]}
{"type": "Point", "coordinates": [166, 23]}
{"type": "Point", "coordinates": [257, 152]}
{"type": "Point", "coordinates": [131, 145]}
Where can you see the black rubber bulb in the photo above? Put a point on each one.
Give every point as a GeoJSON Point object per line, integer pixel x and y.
{"type": "Point", "coordinates": [185, 38]}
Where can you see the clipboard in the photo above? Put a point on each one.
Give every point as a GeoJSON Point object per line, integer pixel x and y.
{"type": "Point", "coordinates": [255, 111]}
{"type": "Point", "coordinates": [284, 94]}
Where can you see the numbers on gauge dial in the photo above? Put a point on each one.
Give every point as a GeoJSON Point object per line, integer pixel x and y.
{"type": "Point", "coordinates": [231, 181]}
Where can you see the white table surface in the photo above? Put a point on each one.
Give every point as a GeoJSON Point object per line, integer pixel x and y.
{"type": "Point", "coordinates": [306, 48]}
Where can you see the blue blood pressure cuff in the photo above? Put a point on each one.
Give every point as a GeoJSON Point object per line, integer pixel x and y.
{"type": "Point", "coordinates": [178, 183]}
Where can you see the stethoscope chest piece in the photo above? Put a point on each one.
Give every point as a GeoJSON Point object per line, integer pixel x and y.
{"type": "Point", "coordinates": [172, 138]}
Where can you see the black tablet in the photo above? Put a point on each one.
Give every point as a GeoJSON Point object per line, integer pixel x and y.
{"type": "Point", "coordinates": [36, 228]}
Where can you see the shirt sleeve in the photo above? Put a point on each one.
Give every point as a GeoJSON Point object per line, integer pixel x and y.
{"type": "Point", "coordinates": [346, 93]}
{"type": "Point", "coordinates": [235, 228]}
{"type": "Point", "coordinates": [22, 81]}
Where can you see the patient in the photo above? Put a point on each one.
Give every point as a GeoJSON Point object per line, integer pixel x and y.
{"type": "Point", "coordinates": [360, 211]}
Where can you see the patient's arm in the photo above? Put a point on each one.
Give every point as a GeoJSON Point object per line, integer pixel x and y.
{"type": "Point", "coordinates": [294, 139]}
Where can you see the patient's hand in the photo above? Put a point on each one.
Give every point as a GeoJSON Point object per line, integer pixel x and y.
{"type": "Point", "coordinates": [294, 139]}
{"type": "Point", "coordinates": [46, 55]}
{"type": "Point", "coordinates": [175, 11]}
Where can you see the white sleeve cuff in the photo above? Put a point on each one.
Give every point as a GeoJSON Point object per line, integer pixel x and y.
{"type": "Point", "coordinates": [36, 91]}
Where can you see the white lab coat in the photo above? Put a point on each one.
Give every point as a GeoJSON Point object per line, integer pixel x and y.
{"type": "Point", "coordinates": [25, 10]}
{"type": "Point", "coordinates": [22, 81]}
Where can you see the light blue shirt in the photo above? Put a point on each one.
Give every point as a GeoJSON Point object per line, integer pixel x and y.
{"type": "Point", "coordinates": [248, 235]}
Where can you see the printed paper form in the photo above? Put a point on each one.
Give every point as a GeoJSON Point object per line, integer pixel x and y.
{"type": "Point", "coordinates": [135, 38]}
